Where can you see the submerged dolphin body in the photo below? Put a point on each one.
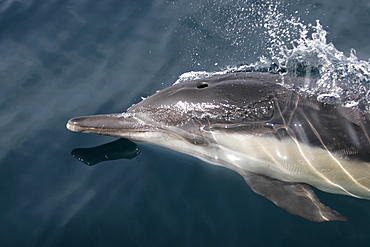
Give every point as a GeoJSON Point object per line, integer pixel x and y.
{"type": "Point", "coordinates": [279, 140]}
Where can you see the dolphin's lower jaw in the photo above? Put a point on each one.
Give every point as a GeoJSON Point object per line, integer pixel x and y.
{"type": "Point", "coordinates": [110, 125]}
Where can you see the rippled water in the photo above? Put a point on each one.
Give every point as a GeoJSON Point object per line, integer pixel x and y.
{"type": "Point", "coordinates": [61, 59]}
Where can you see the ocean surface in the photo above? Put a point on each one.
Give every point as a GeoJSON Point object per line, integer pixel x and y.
{"type": "Point", "coordinates": [61, 59]}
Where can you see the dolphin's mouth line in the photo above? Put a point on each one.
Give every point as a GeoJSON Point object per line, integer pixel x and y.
{"type": "Point", "coordinates": [103, 130]}
{"type": "Point", "coordinates": [100, 130]}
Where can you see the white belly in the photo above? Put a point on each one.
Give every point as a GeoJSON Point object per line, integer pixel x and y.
{"type": "Point", "coordinates": [284, 160]}
{"type": "Point", "coordinates": [290, 161]}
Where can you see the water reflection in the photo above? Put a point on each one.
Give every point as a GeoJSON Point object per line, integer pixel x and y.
{"type": "Point", "coordinates": [118, 149]}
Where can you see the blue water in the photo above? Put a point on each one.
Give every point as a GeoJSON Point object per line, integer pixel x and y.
{"type": "Point", "coordinates": [61, 59]}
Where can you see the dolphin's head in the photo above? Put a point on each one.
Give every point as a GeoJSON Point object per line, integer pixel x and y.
{"type": "Point", "coordinates": [249, 101]}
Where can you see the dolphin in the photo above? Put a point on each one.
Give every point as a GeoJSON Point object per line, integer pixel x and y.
{"type": "Point", "coordinates": [282, 141]}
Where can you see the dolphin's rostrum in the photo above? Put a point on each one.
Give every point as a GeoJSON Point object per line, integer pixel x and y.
{"type": "Point", "coordinates": [280, 140]}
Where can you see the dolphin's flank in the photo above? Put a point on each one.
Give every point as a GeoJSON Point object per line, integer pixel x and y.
{"type": "Point", "coordinates": [280, 140]}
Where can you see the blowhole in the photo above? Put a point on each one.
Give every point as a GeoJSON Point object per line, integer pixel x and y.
{"type": "Point", "coordinates": [203, 85]}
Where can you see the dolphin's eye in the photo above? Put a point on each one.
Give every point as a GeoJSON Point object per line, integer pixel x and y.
{"type": "Point", "coordinates": [203, 85]}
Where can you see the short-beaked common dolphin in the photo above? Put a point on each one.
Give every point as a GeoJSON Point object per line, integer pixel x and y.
{"type": "Point", "coordinates": [279, 139]}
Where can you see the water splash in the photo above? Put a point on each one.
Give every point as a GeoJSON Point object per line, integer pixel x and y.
{"type": "Point", "coordinates": [340, 79]}
{"type": "Point", "coordinates": [298, 49]}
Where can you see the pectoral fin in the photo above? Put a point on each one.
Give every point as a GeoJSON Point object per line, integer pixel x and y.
{"type": "Point", "coordinates": [296, 198]}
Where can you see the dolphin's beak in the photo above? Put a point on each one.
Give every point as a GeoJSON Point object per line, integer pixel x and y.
{"type": "Point", "coordinates": [111, 124]}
